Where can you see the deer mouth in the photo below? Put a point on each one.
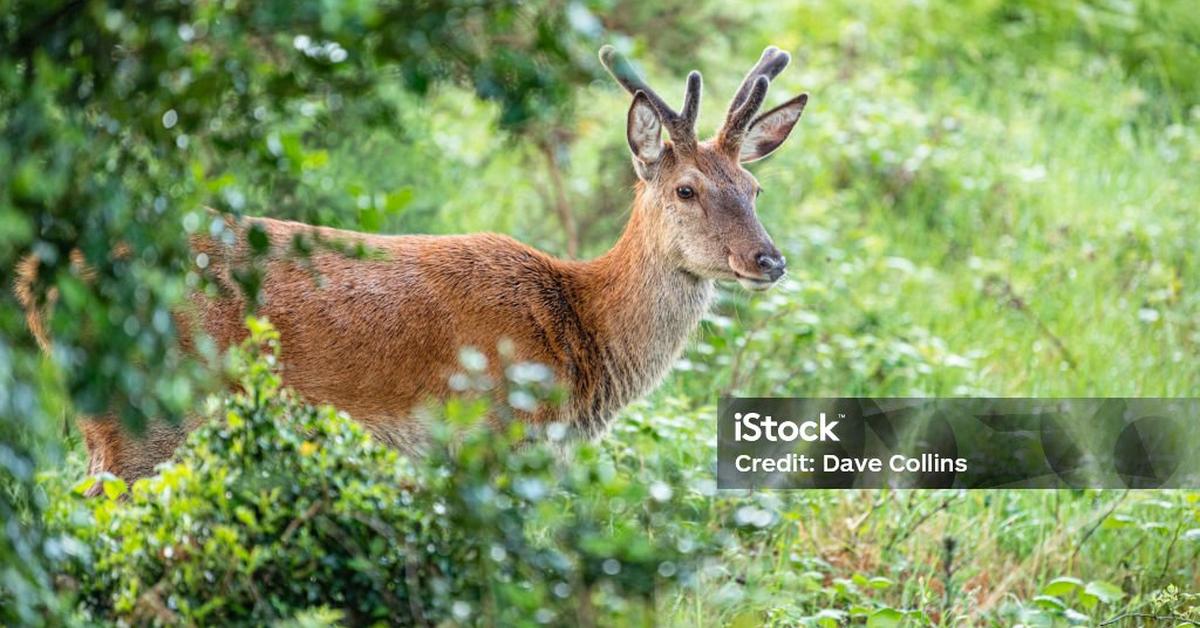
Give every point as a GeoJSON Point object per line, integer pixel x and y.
{"type": "Point", "coordinates": [754, 284]}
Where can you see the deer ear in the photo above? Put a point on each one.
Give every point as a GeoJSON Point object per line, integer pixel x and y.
{"type": "Point", "coordinates": [769, 130]}
{"type": "Point", "coordinates": [644, 132]}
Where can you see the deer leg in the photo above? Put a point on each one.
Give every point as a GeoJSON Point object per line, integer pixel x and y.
{"type": "Point", "coordinates": [112, 449]}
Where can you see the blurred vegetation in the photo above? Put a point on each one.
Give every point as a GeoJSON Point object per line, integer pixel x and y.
{"type": "Point", "coordinates": [277, 507]}
{"type": "Point", "coordinates": [983, 197]}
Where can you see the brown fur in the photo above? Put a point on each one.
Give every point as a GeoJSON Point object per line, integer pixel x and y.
{"type": "Point", "coordinates": [378, 337]}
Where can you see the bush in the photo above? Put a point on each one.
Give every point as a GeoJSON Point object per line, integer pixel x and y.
{"type": "Point", "coordinates": [281, 508]}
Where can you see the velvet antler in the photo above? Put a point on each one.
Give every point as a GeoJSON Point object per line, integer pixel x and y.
{"type": "Point", "coordinates": [681, 126]}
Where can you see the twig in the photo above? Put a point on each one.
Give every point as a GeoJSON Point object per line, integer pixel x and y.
{"type": "Point", "coordinates": [735, 371]}
{"type": "Point", "coordinates": [295, 523]}
{"type": "Point", "coordinates": [1014, 300]}
{"type": "Point", "coordinates": [562, 206]}
{"type": "Point", "coordinates": [1171, 618]}
{"type": "Point", "coordinates": [901, 535]}
{"type": "Point", "coordinates": [1170, 550]}
{"type": "Point", "coordinates": [1087, 535]}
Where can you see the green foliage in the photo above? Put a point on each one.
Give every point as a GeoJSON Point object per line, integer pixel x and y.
{"type": "Point", "coordinates": [129, 117]}
{"type": "Point", "coordinates": [121, 120]}
{"type": "Point", "coordinates": [983, 197]}
{"type": "Point", "coordinates": [278, 508]}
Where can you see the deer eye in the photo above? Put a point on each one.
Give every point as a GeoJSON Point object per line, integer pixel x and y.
{"type": "Point", "coordinates": [684, 192]}
{"type": "Point", "coordinates": [758, 193]}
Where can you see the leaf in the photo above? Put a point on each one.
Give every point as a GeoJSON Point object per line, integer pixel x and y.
{"type": "Point", "coordinates": [858, 610]}
{"type": "Point", "coordinates": [315, 159]}
{"type": "Point", "coordinates": [1118, 521]}
{"type": "Point", "coordinates": [1049, 602]}
{"type": "Point", "coordinates": [259, 241]}
{"type": "Point", "coordinates": [745, 620]}
{"type": "Point", "coordinates": [1106, 591]}
{"type": "Point", "coordinates": [1062, 586]}
{"type": "Point", "coordinates": [879, 582]}
{"type": "Point", "coordinates": [399, 199]}
{"type": "Point", "coordinates": [246, 516]}
{"type": "Point", "coordinates": [844, 586]}
{"type": "Point", "coordinates": [113, 486]}
{"type": "Point", "coordinates": [831, 617]}
{"type": "Point", "coordinates": [885, 618]}
{"type": "Point", "coordinates": [84, 485]}
{"type": "Point", "coordinates": [1191, 535]}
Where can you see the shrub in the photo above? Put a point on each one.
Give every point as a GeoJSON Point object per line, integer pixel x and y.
{"type": "Point", "coordinates": [282, 509]}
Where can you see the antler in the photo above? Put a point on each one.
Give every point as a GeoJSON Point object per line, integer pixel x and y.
{"type": "Point", "coordinates": [680, 126]}
{"type": "Point", "coordinates": [749, 98]}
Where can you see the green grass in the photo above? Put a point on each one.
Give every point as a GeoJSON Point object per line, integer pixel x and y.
{"type": "Point", "coordinates": [1000, 230]}
{"type": "Point", "coordinates": [967, 209]}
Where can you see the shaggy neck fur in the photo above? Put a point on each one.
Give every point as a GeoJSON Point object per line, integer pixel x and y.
{"type": "Point", "coordinates": [642, 307]}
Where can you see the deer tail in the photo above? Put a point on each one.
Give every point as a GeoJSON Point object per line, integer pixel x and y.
{"type": "Point", "coordinates": [35, 317]}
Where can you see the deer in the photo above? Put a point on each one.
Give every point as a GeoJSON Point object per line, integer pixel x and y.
{"type": "Point", "coordinates": [377, 337]}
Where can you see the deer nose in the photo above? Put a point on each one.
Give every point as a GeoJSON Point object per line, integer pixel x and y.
{"type": "Point", "coordinates": [771, 264]}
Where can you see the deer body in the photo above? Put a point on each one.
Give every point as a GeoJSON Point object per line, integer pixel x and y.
{"type": "Point", "coordinates": [378, 337]}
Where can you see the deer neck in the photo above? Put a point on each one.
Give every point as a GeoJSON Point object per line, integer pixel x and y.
{"type": "Point", "coordinates": [642, 307]}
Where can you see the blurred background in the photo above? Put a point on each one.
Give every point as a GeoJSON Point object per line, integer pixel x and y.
{"type": "Point", "coordinates": [983, 197]}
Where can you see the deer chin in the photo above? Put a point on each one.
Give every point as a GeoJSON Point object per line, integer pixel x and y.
{"type": "Point", "coordinates": [755, 285]}
{"type": "Point", "coordinates": [750, 282]}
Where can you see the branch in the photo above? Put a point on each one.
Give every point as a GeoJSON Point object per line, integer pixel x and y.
{"type": "Point", "coordinates": [1091, 530]}
{"type": "Point", "coordinates": [1014, 300]}
{"type": "Point", "coordinates": [562, 206]}
{"type": "Point", "coordinates": [1178, 619]}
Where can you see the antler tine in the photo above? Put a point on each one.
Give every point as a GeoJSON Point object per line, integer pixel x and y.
{"type": "Point", "coordinates": [691, 102]}
{"type": "Point", "coordinates": [739, 119]}
{"type": "Point", "coordinates": [750, 97]}
{"type": "Point", "coordinates": [770, 64]}
{"type": "Point", "coordinates": [681, 128]}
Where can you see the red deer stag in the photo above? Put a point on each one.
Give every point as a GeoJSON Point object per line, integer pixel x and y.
{"type": "Point", "coordinates": [377, 337]}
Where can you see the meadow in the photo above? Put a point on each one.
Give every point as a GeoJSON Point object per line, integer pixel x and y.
{"type": "Point", "coordinates": [981, 199]}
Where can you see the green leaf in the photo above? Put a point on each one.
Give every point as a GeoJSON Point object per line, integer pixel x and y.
{"type": "Point", "coordinates": [113, 486]}
{"type": "Point", "coordinates": [1118, 521]}
{"type": "Point", "coordinates": [1062, 586]}
{"type": "Point", "coordinates": [259, 241]}
{"type": "Point", "coordinates": [858, 610]}
{"type": "Point", "coordinates": [830, 617]}
{"type": "Point", "coordinates": [879, 582]}
{"type": "Point", "coordinates": [1049, 602]}
{"type": "Point", "coordinates": [885, 618]}
{"type": "Point", "coordinates": [398, 200]}
{"type": "Point", "coordinates": [84, 485]}
{"type": "Point", "coordinates": [1107, 592]}
{"type": "Point", "coordinates": [745, 620]}
{"type": "Point", "coordinates": [246, 516]}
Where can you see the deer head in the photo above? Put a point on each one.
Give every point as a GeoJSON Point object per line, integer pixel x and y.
{"type": "Point", "coordinates": [704, 193]}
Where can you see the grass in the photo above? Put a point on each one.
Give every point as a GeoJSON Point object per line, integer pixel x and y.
{"type": "Point", "coordinates": [1028, 232]}
{"type": "Point", "coordinates": [938, 557]}
{"type": "Point", "coordinates": [981, 223]}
